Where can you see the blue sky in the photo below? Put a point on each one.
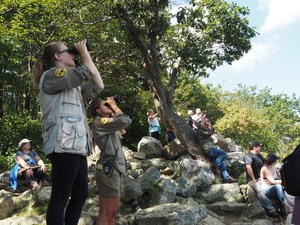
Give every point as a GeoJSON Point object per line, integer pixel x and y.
{"type": "Point", "coordinates": [274, 60]}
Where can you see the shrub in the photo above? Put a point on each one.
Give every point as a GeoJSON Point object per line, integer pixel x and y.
{"type": "Point", "coordinates": [15, 127]}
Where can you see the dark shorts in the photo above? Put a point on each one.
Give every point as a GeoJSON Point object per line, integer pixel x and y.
{"type": "Point", "coordinates": [108, 186]}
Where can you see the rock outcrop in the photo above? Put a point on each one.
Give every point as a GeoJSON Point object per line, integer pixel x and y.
{"type": "Point", "coordinates": [159, 189]}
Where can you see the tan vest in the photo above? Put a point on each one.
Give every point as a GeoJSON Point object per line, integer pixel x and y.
{"type": "Point", "coordinates": [64, 123]}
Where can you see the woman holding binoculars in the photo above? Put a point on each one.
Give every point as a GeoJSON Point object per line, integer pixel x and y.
{"type": "Point", "coordinates": [67, 141]}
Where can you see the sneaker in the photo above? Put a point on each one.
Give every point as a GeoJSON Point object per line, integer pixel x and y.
{"type": "Point", "coordinates": [288, 209]}
{"type": "Point", "coordinates": [230, 180]}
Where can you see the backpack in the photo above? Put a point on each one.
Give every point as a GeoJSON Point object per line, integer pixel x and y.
{"type": "Point", "coordinates": [290, 172]}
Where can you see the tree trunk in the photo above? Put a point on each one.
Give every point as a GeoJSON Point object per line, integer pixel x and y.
{"type": "Point", "coordinates": [1, 99]}
{"type": "Point", "coordinates": [182, 130]}
{"type": "Point", "coordinates": [163, 104]}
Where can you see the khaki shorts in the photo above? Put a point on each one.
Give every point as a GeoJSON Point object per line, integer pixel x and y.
{"type": "Point", "coordinates": [108, 186]}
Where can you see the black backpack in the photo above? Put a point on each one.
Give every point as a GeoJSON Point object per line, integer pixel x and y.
{"type": "Point", "coordinates": [290, 172]}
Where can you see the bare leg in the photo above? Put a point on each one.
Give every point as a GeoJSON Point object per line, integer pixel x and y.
{"type": "Point", "coordinates": [108, 210]}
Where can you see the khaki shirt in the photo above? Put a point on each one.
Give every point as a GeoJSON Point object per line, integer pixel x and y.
{"type": "Point", "coordinates": [105, 132]}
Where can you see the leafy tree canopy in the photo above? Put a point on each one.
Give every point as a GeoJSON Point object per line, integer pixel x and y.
{"type": "Point", "coordinates": [151, 56]}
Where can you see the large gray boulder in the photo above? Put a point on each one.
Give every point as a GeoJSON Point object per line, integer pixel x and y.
{"type": "Point", "coordinates": [222, 192]}
{"type": "Point", "coordinates": [6, 204]}
{"type": "Point", "coordinates": [151, 147]}
{"type": "Point", "coordinates": [198, 172]}
{"type": "Point", "coordinates": [173, 150]}
{"type": "Point", "coordinates": [189, 213]}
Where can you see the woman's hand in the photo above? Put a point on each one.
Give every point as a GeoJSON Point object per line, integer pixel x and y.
{"type": "Point", "coordinates": [81, 47]}
{"type": "Point", "coordinates": [113, 105]}
{"type": "Point", "coordinates": [111, 102]}
{"type": "Point", "coordinates": [88, 62]}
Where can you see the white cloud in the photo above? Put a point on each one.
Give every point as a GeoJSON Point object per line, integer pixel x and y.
{"type": "Point", "coordinates": [259, 54]}
{"type": "Point", "coordinates": [281, 13]}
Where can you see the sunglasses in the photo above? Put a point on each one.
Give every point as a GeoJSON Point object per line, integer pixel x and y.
{"type": "Point", "coordinates": [71, 50]}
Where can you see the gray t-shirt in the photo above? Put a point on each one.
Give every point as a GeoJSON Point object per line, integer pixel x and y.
{"type": "Point", "coordinates": [256, 161]}
{"type": "Point", "coordinates": [29, 158]}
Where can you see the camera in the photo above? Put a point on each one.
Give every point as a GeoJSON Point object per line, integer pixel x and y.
{"type": "Point", "coordinates": [108, 167]}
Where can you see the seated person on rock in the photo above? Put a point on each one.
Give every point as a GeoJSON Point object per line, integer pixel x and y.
{"type": "Point", "coordinates": [271, 184]}
{"type": "Point", "coordinates": [189, 119]}
{"type": "Point", "coordinates": [254, 162]}
{"type": "Point", "coordinates": [30, 166]}
{"type": "Point", "coordinates": [218, 155]}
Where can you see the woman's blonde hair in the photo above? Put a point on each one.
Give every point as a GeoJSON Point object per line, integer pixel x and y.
{"type": "Point", "coordinates": [45, 62]}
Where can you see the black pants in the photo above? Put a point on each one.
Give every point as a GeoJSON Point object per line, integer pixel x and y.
{"type": "Point", "coordinates": [155, 134]}
{"type": "Point", "coordinates": [38, 175]}
{"type": "Point", "coordinates": [69, 188]}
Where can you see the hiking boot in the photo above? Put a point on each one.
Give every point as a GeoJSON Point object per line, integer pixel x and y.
{"type": "Point", "coordinates": [288, 209]}
{"type": "Point", "coordinates": [230, 180]}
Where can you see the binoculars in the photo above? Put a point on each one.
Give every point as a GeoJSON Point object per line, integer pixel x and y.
{"type": "Point", "coordinates": [117, 99]}
{"type": "Point", "coordinates": [72, 50]}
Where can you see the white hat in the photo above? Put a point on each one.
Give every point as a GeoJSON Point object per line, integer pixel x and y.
{"type": "Point", "coordinates": [23, 141]}
{"type": "Point", "coordinates": [198, 110]}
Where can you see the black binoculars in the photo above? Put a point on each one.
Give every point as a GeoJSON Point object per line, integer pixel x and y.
{"type": "Point", "coordinates": [117, 99]}
{"type": "Point", "coordinates": [72, 50]}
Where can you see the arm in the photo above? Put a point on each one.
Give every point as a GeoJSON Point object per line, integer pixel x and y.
{"type": "Point", "coordinates": [88, 62]}
{"type": "Point", "coordinates": [113, 105]}
{"type": "Point", "coordinates": [40, 163]}
{"type": "Point", "coordinates": [117, 121]}
{"type": "Point", "coordinates": [250, 173]}
{"type": "Point", "coordinates": [265, 173]}
{"type": "Point", "coordinates": [153, 116]}
{"type": "Point", "coordinates": [20, 161]}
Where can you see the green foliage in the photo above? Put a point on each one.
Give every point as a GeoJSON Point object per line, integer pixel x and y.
{"type": "Point", "coordinates": [207, 34]}
{"type": "Point", "coordinates": [39, 209]}
{"type": "Point", "coordinates": [4, 163]}
{"type": "Point", "coordinates": [250, 114]}
{"type": "Point", "coordinates": [200, 37]}
{"type": "Point", "coordinates": [15, 127]}
{"type": "Point", "coordinates": [191, 94]}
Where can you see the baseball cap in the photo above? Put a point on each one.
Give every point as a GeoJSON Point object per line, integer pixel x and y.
{"type": "Point", "coordinates": [255, 144]}
{"type": "Point", "coordinates": [23, 141]}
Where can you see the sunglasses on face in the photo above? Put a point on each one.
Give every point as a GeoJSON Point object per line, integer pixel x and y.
{"type": "Point", "coordinates": [71, 50]}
